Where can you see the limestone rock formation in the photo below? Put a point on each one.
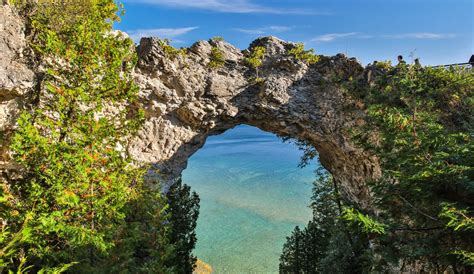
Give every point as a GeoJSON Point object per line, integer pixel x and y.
{"type": "Point", "coordinates": [17, 78]}
{"type": "Point", "coordinates": [186, 101]}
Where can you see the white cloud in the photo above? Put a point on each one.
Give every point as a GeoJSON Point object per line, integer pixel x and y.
{"type": "Point", "coordinates": [264, 30]}
{"type": "Point", "coordinates": [250, 31]}
{"type": "Point", "coordinates": [420, 35]}
{"type": "Point", "coordinates": [168, 33]}
{"type": "Point", "coordinates": [235, 6]}
{"type": "Point", "coordinates": [278, 28]}
{"type": "Point", "coordinates": [332, 36]}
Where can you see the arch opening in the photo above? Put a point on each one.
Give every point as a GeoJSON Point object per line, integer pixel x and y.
{"type": "Point", "coordinates": [252, 194]}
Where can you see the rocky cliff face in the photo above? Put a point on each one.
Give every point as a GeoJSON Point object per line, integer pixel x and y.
{"type": "Point", "coordinates": [186, 101]}
{"type": "Point", "coordinates": [17, 77]}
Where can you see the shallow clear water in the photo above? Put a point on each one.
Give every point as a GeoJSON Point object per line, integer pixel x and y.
{"type": "Point", "coordinates": [252, 196]}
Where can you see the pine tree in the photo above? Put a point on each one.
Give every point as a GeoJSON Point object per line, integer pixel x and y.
{"type": "Point", "coordinates": [184, 211]}
{"type": "Point", "coordinates": [326, 244]}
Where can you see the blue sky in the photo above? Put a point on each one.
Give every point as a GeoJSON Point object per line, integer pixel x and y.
{"type": "Point", "coordinates": [436, 31]}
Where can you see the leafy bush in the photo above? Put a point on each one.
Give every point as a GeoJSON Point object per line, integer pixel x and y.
{"type": "Point", "coordinates": [420, 123]}
{"type": "Point", "coordinates": [217, 38]}
{"type": "Point", "coordinates": [299, 53]}
{"type": "Point", "coordinates": [216, 58]}
{"type": "Point", "coordinates": [363, 221]}
{"type": "Point", "coordinates": [170, 51]}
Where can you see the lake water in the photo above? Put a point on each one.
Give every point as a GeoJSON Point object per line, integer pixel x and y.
{"type": "Point", "coordinates": [252, 196]}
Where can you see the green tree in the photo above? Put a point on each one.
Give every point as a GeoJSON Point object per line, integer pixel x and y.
{"type": "Point", "coordinates": [184, 211]}
{"type": "Point", "coordinates": [299, 53]}
{"type": "Point", "coordinates": [216, 58]}
{"type": "Point", "coordinates": [326, 244]}
{"type": "Point", "coordinates": [217, 38]}
{"type": "Point", "coordinates": [255, 60]}
{"type": "Point", "coordinates": [292, 254]}
{"type": "Point", "coordinates": [170, 51]}
{"type": "Point", "coordinates": [81, 198]}
{"type": "Point", "coordinates": [141, 240]}
{"type": "Point", "coordinates": [424, 124]}
{"type": "Point", "coordinates": [77, 176]}
{"type": "Point", "coordinates": [420, 124]}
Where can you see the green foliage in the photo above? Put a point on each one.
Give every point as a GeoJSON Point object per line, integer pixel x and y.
{"type": "Point", "coordinates": [13, 257]}
{"type": "Point", "coordinates": [81, 204]}
{"type": "Point", "coordinates": [424, 124]}
{"type": "Point", "coordinates": [217, 38]}
{"type": "Point", "coordinates": [56, 270]}
{"type": "Point", "coordinates": [141, 240]}
{"type": "Point", "coordinates": [78, 179]}
{"type": "Point", "coordinates": [10, 256]}
{"type": "Point", "coordinates": [457, 219]}
{"type": "Point", "coordinates": [385, 65]}
{"type": "Point", "coordinates": [255, 60]}
{"type": "Point", "coordinates": [304, 249]}
{"type": "Point", "coordinates": [170, 51]}
{"type": "Point", "coordinates": [299, 53]}
{"type": "Point", "coordinates": [292, 259]}
{"type": "Point", "coordinates": [184, 211]}
{"type": "Point", "coordinates": [216, 58]}
{"type": "Point", "coordinates": [17, 3]}
{"type": "Point", "coordinates": [77, 176]}
{"type": "Point", "coordinates": [325, 245]}
{"type": "Point", "coordinates": [465, 257]}
{"type": "Point", "coordinates": [366, 223]}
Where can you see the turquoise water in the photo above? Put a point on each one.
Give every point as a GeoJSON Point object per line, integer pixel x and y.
{"type": "Point", "coordinates": [252, 196]}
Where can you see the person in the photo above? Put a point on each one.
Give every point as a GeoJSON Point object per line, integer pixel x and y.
{"type": "Point", "coordinates": [417, 63]}
{"type": "Point", "coordinates": [400, 60]}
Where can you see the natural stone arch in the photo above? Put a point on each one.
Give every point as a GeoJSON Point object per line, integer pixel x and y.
{"type": "Point", "coordinates": [186, 101]}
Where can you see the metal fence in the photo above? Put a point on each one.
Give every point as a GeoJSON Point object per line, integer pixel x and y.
{"type": "Point", "coordinates": [468, 63]}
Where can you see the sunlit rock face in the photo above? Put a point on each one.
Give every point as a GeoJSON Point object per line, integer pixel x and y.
{"type": "Point", "coordinates": [186, 101]}
{"type": "Point", "coordinates": [17, 77]}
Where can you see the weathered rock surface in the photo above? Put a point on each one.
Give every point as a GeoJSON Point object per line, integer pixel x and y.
{"type": "Point", "coordinates": [16, 77]}
{"type": "Point", "coordinates": [186, 101]}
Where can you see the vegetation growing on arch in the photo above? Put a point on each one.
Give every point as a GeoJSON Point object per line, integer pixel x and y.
{"type": "Point", "coordinates": [299, 53]}
{"type": "Point", "coordinates": [217, 38]}
{"type": "Point", "coordinates": [170, 51]}
{"type": "Point", "coordinates": [255, 60]}
{"type": "Point", "coordinates": [216, 58]}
